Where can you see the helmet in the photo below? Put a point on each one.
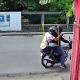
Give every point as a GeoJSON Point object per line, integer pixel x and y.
{"type": "Point", "coordinates": [53, 30]}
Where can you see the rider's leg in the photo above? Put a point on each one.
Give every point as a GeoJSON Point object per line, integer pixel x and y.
{"type": "Point", "coordinates": [60, 50]}
{"type": "Point", "coordinates": [51, 52]}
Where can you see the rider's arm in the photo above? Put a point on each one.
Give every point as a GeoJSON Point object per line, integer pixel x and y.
{"type": "Point", "coordinates": [52, 38]}
{"type": "Point", "coordinates": [56, 38]}
{"type": "Point", "coordinates": [64, 40]}
{"type": "Point", "coordinates": [60, 37]}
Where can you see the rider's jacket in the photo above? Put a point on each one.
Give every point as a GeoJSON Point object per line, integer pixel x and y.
{"type": "Point", "coordinates": [47, 41]}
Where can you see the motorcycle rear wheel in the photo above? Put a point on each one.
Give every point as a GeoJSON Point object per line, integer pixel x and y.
{"type": "Point", "coordinates": [46, 61]}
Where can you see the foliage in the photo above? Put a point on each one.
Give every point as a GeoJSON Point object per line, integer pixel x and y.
{"type": "Point", "coordinates": [70, 12]}
{"type": "Point", "coordinates": [31, 5]}
{"type": "Point", "coordinates": [35, 5]}
{"type": "Point", "coordinates": [42, 2]}
{"type": "Point", "coordinates": [11, 5]}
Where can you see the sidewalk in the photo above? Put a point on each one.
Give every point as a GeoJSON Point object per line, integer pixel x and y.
{"type": "Point", "coordinates": [33, 77]}
{"type": "Point", "coordinates": [19, 33]}
{"type": "Point", "coordinates": [25, 33]}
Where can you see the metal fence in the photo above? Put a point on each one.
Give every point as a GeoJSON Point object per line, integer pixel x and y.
{"type": "Point", "coordinates": [26, 26]}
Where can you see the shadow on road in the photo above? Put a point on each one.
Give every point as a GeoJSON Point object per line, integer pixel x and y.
{"type": "Point", "coordinates": [56, 68]}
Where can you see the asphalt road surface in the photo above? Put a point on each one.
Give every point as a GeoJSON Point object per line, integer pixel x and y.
{"type": "Point", "coordinates": [21, 54]}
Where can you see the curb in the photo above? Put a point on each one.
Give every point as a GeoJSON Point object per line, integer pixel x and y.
{"type": "Point", "coordinates": [54, 77]}
{"type": "Point", "coordinates": [25, 33]}
{"type": "Point", "coordinates": [28, 73]}
{"type": "Point", "coordinates": [18, 34]}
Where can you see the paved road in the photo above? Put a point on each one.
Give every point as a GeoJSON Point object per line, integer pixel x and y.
{"type": "Point", "coordinates": [21, 54]}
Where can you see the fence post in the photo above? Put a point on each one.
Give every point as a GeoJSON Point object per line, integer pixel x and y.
{"type": "Point", "coordinates": [67, 22]}
{"type": "Point", "coordinates": [42, 22]}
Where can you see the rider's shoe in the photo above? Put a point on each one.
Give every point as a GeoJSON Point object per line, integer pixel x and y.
{"type": "Point", "coordinates": [63, 66]}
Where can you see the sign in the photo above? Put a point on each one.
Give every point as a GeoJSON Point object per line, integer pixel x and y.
{"type": "Point", "coordinates": [10, 21]}
{"type": "Point", "coordinates": [5, 20]}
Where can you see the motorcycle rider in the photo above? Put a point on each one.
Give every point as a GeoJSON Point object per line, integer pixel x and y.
{"type": "Point", "coordinates": [52, 41]}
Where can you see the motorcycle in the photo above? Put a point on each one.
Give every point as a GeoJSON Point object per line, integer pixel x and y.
{"type": "Point", "coordinates": [48, 59]}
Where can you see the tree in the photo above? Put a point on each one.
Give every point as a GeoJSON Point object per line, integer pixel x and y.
{"type": "Point", "coordinates": [57, 5]}
{"type": "Point", "coordinates": [63, 6]}
{"type": "Point", "coordinates": [12, 5]}
{"type": "Point", "coordinates": [70, 11]}
{"type": "Point", "coordinates": [42, 2]}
